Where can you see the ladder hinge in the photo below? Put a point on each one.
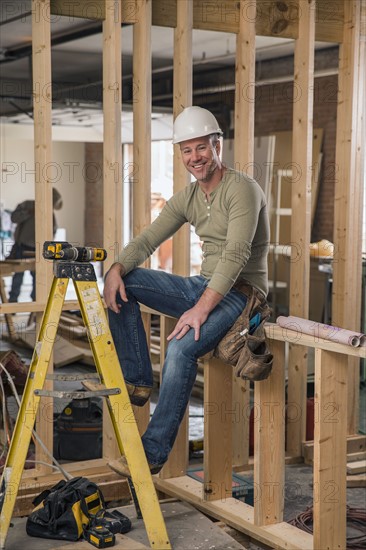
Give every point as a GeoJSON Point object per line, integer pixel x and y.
{"type": "Point", "coordinates": [78, 271]}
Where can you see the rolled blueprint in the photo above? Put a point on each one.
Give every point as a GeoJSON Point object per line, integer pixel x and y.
{"type": "Point", "coordinates": [319, 330]}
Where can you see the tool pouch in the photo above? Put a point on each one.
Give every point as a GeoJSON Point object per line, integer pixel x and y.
{"type": "Point", "coordinates": [244, 347]}
{"type": "Point", "coordinates": [255, 360]}
{"type": "Point", "coordinates": [64, 511]}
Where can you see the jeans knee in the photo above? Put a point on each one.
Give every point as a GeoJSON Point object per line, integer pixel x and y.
{"type": "Point", "coordinates": [177, 352]}
{"type": "Point", "coordinates": [179, 363]}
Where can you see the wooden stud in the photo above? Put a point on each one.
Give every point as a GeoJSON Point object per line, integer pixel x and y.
{"type": "Point", "coordinates": [302, 137]}
{"type": "Point", "coordinates": [42, 109]}
{"type": "Point", "coordinates": [241, 402]}
{"type": "Point", "coordinates": [112, 164]}
{"type": "Point", "coordinates": [142, 117]}
{"type": "Point", "coordinates": [269, 442]}
{"type": "Point", "coordinates": [141, 216]}
{"type": "Point", "coordinates": [245, 90]}
{"type": "Point", "coordinates": [42, 105]}
{"type": "Point", "coordinates": [358, 201]}
{"type": "Point", "coordinates": [354, 364]}
{"type": "Point", "coordinates": [244, 161]}
{"type": "Point", "coordinates": [182, 97]}
{"type": "Point", "coordinates": [218, 420]}
{"type": "Point", "coordinates": [330, 450]}
{"type": "Point", "coordinates": [348, 193]}
{"type": "Point", "coordinates": [112, 146]}
{"type": "Point", "coordinates": [344, 293]}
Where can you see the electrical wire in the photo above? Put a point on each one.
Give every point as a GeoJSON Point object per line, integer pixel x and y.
{"type": "Point", "coordinates": [58, 466]}
{"type": "Point", "coordinates": [356, 519]}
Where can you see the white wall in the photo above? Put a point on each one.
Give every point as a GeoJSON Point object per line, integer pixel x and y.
{"type": "Point", "coordinates": [66, 172]}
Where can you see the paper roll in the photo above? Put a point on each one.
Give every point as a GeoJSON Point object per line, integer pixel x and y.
{"type": "Point", "coordinates": [319, 330]}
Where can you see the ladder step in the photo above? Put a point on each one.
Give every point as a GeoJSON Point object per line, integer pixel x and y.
{"type": "Point", "coordinates": [77, 394]}
{"type": "Point", "coordinates": [93, 386]}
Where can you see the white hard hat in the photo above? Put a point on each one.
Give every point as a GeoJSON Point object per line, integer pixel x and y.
{"type": "Point", "coordinates": [194, 122]}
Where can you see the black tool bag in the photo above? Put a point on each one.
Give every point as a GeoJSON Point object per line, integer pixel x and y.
{"type": "Point", "coordinates": [64, 511]}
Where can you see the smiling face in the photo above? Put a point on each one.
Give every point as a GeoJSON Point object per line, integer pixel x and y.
{"type": "Point", "coordinates": [201, 158]}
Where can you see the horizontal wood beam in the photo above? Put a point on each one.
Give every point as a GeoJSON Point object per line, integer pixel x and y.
{"type": "Point", "coordinates": [93, 9]}
{"type": "Point", "coordinates": [30, 307]}
{"type": "Point", "coordinates": [237, 514]}
{"type": "Point", "coordinates": [84, 9]}
{"type": "Point", "coordinates": [272, 18]}
{"type": "Point", "coordinates": [275, 332]}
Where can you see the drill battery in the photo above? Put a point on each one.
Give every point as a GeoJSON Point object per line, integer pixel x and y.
{"type": "Point", "coordinates": [116, 522]}
{"type": "Point", "coordinates": [99, 536]}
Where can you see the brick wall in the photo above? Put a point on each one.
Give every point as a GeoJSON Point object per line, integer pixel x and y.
{"type": "Point", "coordinates": [94, 194]}
{"type": "Point", "coordinates": [273, 113]}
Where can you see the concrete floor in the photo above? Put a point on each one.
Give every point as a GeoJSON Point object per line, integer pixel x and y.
{"type": "Point", "coordinates": [187, 528]}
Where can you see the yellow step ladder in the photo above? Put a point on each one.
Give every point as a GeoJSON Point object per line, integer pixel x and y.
{"type": "Point", "coordinates": [110, 375]}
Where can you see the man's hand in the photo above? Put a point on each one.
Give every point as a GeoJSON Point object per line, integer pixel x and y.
{"type": "Point", "coordinates": [113, 283]}
{"type": "Point", "coordinates": [191, 319]}
{"type": "Point", "coordinates": [195, 317]}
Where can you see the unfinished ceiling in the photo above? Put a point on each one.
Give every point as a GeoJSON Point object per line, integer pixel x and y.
{"type": "Point", "coordinates": [77, 67]}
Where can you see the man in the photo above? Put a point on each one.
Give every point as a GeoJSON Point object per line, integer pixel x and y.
{"type": "Point", "coordinates": [25, 240]}
{"type": "Point", "coordinates": [228, 211]}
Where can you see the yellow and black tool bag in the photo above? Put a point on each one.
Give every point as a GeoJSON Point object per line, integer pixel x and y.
{"type": "Point", "coordinates": [64, 511]}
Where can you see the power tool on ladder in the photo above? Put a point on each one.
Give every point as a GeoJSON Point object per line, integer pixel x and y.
{"type": "Point", "coordinates": [70, 262]}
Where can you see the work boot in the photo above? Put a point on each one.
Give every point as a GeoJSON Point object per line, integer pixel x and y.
{"type": "Point", "coordinates": [120, 466]}
{"type": "Point", "coordinates": [139, 395]}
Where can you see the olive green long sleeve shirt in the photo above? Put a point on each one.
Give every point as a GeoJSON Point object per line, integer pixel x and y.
{"type": "Point", "coordinates": [232, 225]}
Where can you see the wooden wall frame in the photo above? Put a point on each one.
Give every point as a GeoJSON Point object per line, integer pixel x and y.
{"type": "Point", "coordinates": [346, 26]}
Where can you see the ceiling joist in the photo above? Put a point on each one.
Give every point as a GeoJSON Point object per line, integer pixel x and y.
{"type": "Point", "coordinates": [276, 18]}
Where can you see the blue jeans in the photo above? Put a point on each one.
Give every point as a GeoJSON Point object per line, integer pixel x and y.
{"type": "Point", "coordinates": [171, 295]}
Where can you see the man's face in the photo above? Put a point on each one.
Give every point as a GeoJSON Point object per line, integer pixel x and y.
{"type": "Point", "coordinates": [201, 158]}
